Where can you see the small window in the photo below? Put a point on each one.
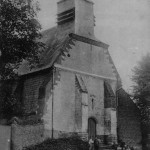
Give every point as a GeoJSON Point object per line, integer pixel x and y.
{"type": "Point", "coordinates": [41, 92]}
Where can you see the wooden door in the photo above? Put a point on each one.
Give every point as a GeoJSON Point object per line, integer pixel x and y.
{"type": "Point", "coordinates": [91, 127]}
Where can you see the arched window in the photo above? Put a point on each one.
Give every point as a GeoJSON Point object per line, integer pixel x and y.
{"type": "Point", "coordinates": [41, 100]}
{"type": "Point", "coordinates": [41, 92]}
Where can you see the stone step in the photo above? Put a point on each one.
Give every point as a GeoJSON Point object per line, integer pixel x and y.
{"type": "Point", "coordinates": [105, 147]}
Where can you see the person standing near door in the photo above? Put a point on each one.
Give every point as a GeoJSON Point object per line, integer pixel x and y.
{"type": "Point", "coordinates": [91, 143]}
{"type": "Point", "coordinates": [96, 143]}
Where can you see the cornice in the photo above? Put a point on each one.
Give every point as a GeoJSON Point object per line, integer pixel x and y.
{"type": "Point", "coordinates": [88, 40]}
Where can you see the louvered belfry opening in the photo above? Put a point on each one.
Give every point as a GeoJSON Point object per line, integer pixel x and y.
{"type": "Point", "coordinates": [66, 16]}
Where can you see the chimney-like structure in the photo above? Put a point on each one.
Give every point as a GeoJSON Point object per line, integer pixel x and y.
{"type": "Point", "coordinates": [79, 13]}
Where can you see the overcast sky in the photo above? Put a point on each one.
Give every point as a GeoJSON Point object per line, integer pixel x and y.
{"type": "Point", "coordinates": [123, 24]}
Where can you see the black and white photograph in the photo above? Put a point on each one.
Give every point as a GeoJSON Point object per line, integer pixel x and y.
{"type": "Point", "coordinates": [74, 75]}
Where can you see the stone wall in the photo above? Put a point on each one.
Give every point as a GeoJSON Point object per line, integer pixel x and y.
{"type": "Point", "coordinates": [24, 136]}
{"type": "Point", "coordinates": [90, 59]}
{"type": "Point", "coordinates": [5, 136]}
{"type": "Point", "coordinates": [32, 84]}
{"type": "Point", "coordinates": [129, 127]}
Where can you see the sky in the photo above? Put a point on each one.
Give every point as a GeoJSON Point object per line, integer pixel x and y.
{"type": "Point", "coordinates": [122, 24]}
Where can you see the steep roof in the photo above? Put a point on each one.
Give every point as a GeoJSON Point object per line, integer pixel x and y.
{"type": "Point", "coordinates": [55, 40]}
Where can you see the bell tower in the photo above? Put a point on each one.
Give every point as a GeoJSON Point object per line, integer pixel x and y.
{"type": "Point", "coordinates": [79, 13]}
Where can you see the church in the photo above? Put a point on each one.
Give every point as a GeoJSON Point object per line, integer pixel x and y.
{"type": "Point", "coordinates": [73, 89]}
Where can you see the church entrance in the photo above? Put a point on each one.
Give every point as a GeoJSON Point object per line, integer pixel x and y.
{"type": "Point", "coordinates": [91, 127]}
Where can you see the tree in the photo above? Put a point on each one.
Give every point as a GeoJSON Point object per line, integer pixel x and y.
{"type": "Point", "coordinates": [19, 31]}
{"type": "Point", "coordinates": [19, 41]}
{"type": "Point", "coordinates": [141, 79]}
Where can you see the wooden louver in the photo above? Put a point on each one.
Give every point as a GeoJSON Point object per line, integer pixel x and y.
{"type": "Point", "coordinates": [66, 16]}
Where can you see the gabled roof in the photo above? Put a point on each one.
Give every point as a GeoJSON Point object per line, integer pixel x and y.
{"type": "Point", "coordinates": [56, 41]}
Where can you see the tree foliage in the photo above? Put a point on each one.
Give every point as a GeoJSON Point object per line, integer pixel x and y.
{"type": "Point", "coordinates": [141, 78]}
{"type": "Point", "coordinates": [10, 106]}
{"type": "Point", "coordinates": [19, 31]}
{"type": "Point", "coordinates": [19, 42]}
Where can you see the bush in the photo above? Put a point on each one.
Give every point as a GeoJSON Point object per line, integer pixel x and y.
{"type": "Point", "coordinates": [72, 143]}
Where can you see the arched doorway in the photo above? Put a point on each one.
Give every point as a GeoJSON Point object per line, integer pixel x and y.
{"type": "Point", "coordinates": [91, 127]}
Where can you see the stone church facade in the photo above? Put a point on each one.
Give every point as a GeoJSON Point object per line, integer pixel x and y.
{"type": "Point", "coordinates": [73, 88]}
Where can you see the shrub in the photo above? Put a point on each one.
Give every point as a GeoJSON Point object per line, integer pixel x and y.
{"type": "Point", "coordinates": [72, 143]}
